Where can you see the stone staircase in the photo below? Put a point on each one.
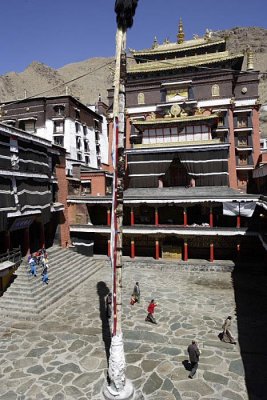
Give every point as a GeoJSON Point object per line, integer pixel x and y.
{"type": "Point", "coordinates": [28, 298]}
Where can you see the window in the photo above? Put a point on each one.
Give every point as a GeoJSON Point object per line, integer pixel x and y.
{"type": "Point", "coordinates": [77, 113]}
{"type": "Point", "coordinates": [242, 139]}
{"type": "Point", "coordinates": [220, 121]}
{"type": "Point", "coordinates": [242, 120]}
{"type": "Point", "coordinates": [77, 127]}
{"type": "Point", "coordinates": [140, 98]}
{"type": "Point", "coordinates": [215, 90]}
{"type": "Point", "coordinates": [78, 142]}
{"type": "Point", "coordinates": [59, 110]}
{"type": "Point", "coordinates": [79, 156]}
{"type": "Point", "coordinates": [243, 159]}
{"type": "Point", "coordinates": [28, 125]}
{"type": "Point", "coordinates": [59, 126]}
{"type": "Point", "coordinates": [86, 145]}
{"type": "Point", "coordinates": [74, 188]}
{"type": "Point", "coordinates": [87, 160]}
{"type": "Point", "coordinates": [221, 136]}
{"type": "Point", "coordinates": [59, 140]}
{"type": "Point", "coordinates": [178, 94]}
{"type": "Point", "coordinates": [84, 130]}
{"type": "Point", "coordinates": [86, 187]}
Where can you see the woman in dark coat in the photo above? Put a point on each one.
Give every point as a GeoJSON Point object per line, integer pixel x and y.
{"type": "Point", "coordinates": [227, 334]}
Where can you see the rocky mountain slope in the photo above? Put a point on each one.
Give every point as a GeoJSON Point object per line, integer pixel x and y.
{"type": "Point", "coordinates": [98, 72]}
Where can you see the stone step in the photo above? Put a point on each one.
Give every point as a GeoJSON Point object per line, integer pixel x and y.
{"type": "Point", "coordinates": [28, 296]}
{"type": "Point", "coordinates": [31, 310]}
{"type": "Point", "coordinates": [23, 271]}
{"type": "Point", "coordinates": [33, 285]}
{"type": "Point", "coordinates": [30, 291]}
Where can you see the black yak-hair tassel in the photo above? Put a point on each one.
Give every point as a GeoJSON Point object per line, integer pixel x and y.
{"type": "Point", "coordinates": [125, 10]}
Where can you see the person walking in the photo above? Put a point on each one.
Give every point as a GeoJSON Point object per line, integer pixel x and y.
{"type": "Point", "coordinates": [136, 292]}
{"type": "Point", "coordinates": [45, 275]}
{"type": "Point", "coordinates": [32, 264]}
{"type": "Point", "coordinates": [227, 334]}
{"type": "Point", "coordinates": [151, 310]}
{"type": "Point", "coordinates": [194, 354]}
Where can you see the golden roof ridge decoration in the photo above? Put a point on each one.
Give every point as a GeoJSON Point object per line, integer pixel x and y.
{"type": "Point", "coordinates": [175, 47]}
{"type": "Point", "coordinates": [183, 62]}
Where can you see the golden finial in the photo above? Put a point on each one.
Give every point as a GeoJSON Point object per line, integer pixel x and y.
{"type": "Point", "coordinates": [155, 43]}
{"type": "Point", "coordinates": [250, 59]}
{"type": "Point", "coordinates": [180, 35]}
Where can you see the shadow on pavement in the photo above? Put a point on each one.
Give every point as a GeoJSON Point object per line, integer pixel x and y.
{"type": "Point", "coordinates": [103, 291]}
{"type": "Point", "coordinates": [250, 287]}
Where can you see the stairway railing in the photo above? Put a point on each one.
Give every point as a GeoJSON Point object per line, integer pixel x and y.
{"type": "Point", "coordinates": [13, 255]}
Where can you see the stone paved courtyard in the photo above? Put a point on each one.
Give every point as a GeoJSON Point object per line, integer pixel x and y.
{"type": "Point", "coordinates": [63, 355]}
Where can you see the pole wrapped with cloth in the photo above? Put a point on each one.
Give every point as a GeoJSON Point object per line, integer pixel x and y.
{"type": "Point", "coordinates": [118, 387]}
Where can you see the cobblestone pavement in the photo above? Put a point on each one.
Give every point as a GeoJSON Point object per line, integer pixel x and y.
{"type": "Point", "coordinates": [63, 355]}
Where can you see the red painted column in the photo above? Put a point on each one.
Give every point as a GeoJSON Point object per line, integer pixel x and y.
{"type": "Point", "coordinates": [42, 236]}
{"type": "Point", "coordinates": [211, 252]}
{"type": "Point", "coordinates": [185, 216]}
{"type": "Point", "coordinates": [157, 249]}
{"type": "Point", "coordinates": [156, 216]}
{"type": "Point", "coordinates": [108, 248]}
{"type": "Point", "coordinates": [26, 243]}
{"type": "Point", "coordinates": [7, 240]}
{"type": "Point", "coordinates": [185, 251]}
{"type": "Point", "coordinates": [211, 218]}
{"type": "Point", "coordinates": [108, 217]}
{"type": "Point", "coordinates": [132, 249]}
{"type": "Point", "coordinates": [132, 216]}
{"type": "Point", "coordinates": [238, 221]}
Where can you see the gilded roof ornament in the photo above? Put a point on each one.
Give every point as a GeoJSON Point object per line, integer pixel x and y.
{"type": "Point", "coordinates": [155, 43]}
{"type": "Point", "coordinates": [180, 35]}
{"type": "Point", "coordinates": [250, 59]}
{"type": "Point", "coordinates": [208, 34]}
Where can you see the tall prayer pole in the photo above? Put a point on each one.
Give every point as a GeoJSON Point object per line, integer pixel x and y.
{"type": "Point", "coordinates": [119, 387]}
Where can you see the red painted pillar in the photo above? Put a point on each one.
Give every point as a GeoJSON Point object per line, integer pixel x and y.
{"type": "Point", "coordinates": [211, 252]}
{"type": "Point", "coordinates": [26, 243]}
{"type": "Point", "coordinates": [7, 240]}
{"type": "Point", "coordinates": [185, 251]}
{"type": "Point", "coordinates": [132, 216]}
{"type": "Point", "coordinates": [156, 216]}
{"type": "Point", "coordinates": [108, 217]}
{"type": "Point", "coordinates": [132, 249]}
{"type": "Point", "coordinates": [42, 236]}
{"type": "Point", "coordinates": [211, 218]}
{"type": "Point", "coordinates": [108, 248]}
{"type": "Point", "coordinates": [238, 221]}
{"type": "Point", "coordinates": [157, 249]}
{"type": "Point", "coordinates": [185, 216]}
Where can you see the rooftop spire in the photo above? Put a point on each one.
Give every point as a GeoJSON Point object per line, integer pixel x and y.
{"type": "Point", "coordinates": [180, 35]}
{"type": "Point", "coordinates": [155, 43]}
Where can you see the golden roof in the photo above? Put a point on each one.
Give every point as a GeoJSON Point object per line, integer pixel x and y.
{"type": "Point", "coordinates": [170, 120]}
{"type": "Point", "coordinates": [176, 47]}
{"type": "Point", "coordinates": [183, 62]}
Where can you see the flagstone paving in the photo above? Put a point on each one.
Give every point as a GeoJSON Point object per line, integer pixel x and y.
{"type": "Point", "coordinates": [63, 356]}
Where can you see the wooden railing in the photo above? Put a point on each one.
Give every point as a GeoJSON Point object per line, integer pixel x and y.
{"type": "Point", "coordinates": [13, 255]}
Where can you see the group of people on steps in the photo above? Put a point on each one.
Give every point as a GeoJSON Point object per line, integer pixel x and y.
{"type": "Point", "coordinates": [37, 260]}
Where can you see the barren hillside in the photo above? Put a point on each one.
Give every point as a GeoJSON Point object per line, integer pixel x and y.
{"type": "Point", "coordinates": [39, 78]}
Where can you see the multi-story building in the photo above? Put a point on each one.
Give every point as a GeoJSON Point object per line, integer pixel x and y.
{"type": "Point", "coordinates": [192, 144]}
{"type": "Point", "coordinates": [64, 121]}
{"type": "Point", "coordinates": [33, 193]}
